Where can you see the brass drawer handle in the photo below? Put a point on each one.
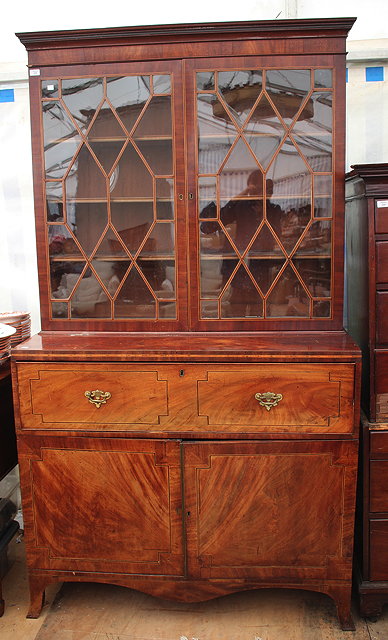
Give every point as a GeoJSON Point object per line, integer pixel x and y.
{"type": "Point", "coordinates": [98, 397]}
{"type": "Point", "coordinates": [268, 399]}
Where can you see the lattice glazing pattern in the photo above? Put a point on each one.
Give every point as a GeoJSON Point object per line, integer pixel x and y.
{"type": "Point", "coordinates": [110, 186]}
{"type": "Point", "coordinates": [265, 193]}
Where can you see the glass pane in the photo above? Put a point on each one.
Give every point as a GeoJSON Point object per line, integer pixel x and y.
{"type": "Point", "coordinates": [85, 179]}
{"type": "Point", "coordinates": [241, 176]}
{"type": "Point", "coordinates": [209, 309]}
{"type": "Point", "coordinates": [323, 78]}
{"type": "Point", "coordinates": [214, 240]}
{"type": "Point", "coordinates": [240, 90]}
{"type": "Point", "coordinates": [61, 140]}
{"type": "Point", "coordinates": [323, 196]}
{"type": "Point", "coordinates": [61, 242]}
{"type": "Point", "coordinates": [265, 244]}
{"type": "Point", "coordinates": [264, 272]}
{"type": "Point", "coordinates": [241, 298]}
{"type": "Point", "coordinates": [167, 310]}
{"type": "Point", "coordinates": [162, 84]}
{"type": "Point", "coordinates": [161, 241]}
{"type": "Point", "coordinates": [89, 300]}
{"type": "Point", "coordinates": [64, 277]}
{"type": "Point", "coordinates": [205, 80]}
{"type": "Point", "coordinates": [50, 88]}
{"type": "Point", "coordinates": [264, 132]}
{"type": "Point", "coordinates": [132, 221]}
{"type": "Point", "coordinates": [287, 89]}
{"type": "Point", "coordinates": [160, 276]}
{"type": "Point", "coordinates": [316, 274]}
{"type": "Point", "coordinates": [207, 195]}
{"type": "Point", "coordinates": [54, 202]}
{"type": "Point", "coordinates": [216, 133]}
{"type": "Point", "coordinates": [59, 309]}
{"type": "Point", "coordinates": [242, 218]}
{"type": "Point", "coordinates": [153, 135]}
{"type": "Point", "coordinates": [313, 135]}
{"type": "Point", "coordinates": [214, 275]}
{"type": "Point", "coordinates": [82, 96]}
{"type": "Point", "coordinates": [110, 246]}
{"type": "Point", "coordinates": [134, 299]}
{"type": "Point", "coordinates": [317, 240]}
{"type": "Point", "coordinates": [106, 125]}
{"type": "Point", "coordinates": [321, 309]}
{"type": "Point", "coordinates": [164, 199]}
{"type": "Point", "coordinates": [111, 273]}
{"type": "Point", "coordinates": [88, 221]}
{"type": "Point", "coordinates": [128, 95]}
{"type": "Point", "coordinates": [288, 297]}
{"type": "Point", "coordinates": [133, 178]}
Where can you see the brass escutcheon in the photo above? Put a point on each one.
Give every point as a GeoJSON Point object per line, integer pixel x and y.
{"type": "Point", "coordinates": [268, 399]}
{"type": "Point", "coordinates": [98, 397]}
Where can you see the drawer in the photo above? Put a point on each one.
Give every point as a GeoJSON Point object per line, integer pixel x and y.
{"type": "Point", "coordinates": [381, 262]}
{"type": "Point", "coordinates": [192, 398]}
{"type": "Point", "coordinates": [382, 317]}
{"type": "Point", "coordinates": [381, 384]}
{"type": "Point", "coordinates": [379, 444]}
{"type": "Point", "coordinates": [378, 549]}
{"type": "Point", "coordinates": [54, 395]}
{"type": "Point", "coordinates": [311, 398]}
{"type": "Point", "coordinates": [378, 490]}
{"type": "Point", "coordinates": [381, 216]}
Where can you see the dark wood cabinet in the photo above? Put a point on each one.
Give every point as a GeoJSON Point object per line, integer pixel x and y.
{"type": "Point", "coordinates": [193, 389]}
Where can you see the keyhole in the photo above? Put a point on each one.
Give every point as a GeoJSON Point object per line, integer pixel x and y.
{"type": "Point", "coordinates": [181, 373]}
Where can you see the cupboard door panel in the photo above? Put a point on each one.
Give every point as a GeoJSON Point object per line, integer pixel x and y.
{"type": "Point", "coordinates": [112, 505]}
{"type": "Point", "coordinates": [381, 262]}
{"type": "Point", "coordinates": [264, 510]}
{"type": "Point", "coordinates": [378, 486]}
{"type": "Point", "coordinates": [381, 317]}
{"type": "Point", "coordinates": [378, 550]}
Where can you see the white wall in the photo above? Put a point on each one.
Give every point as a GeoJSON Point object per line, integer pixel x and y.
{"type": "Point", "coordinates": [18, 276]}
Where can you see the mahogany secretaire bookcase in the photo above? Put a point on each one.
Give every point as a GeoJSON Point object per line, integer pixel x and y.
{"type": "Point", "coordinates": [188, 416]}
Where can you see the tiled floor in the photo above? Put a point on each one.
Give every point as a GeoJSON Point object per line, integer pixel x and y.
{"type": "Point", "coordinates": [106, 612]}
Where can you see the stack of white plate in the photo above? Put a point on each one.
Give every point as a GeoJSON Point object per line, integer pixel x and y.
{"type": "Point", "coordinates": [21, 322]}
{"type": "Point", "coordinates": [6, 333]}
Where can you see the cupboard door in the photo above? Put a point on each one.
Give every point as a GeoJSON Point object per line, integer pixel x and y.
{"type": "Point", "coordinates": [262, 170]}
{"type": "Point", "coordinates": [112, 172]}
{"type": "Point", "coordinates": [273, 511]}
{"type": "Point", "coordinates": [102, 505]}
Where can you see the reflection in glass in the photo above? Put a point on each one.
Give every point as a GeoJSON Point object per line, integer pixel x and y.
{"type": "Point", "coordinates": [316, 274]}
{"type": "Point", "coordinates": [162, 84]}
{"type": "Point", "coordinates": [287, 89]}
{"type": "Point", "coordinates": [85, 179]}
{"type": "Point", "coordinates": [265, 243]}
{"type": "Point", "coordinates": [128, 95]}
{"type": "Point", "coordinates": [134, 180]}
{"type": "Point", "coordinates": [240, 90]}
{"type": "Point", "coordinates": [214, 240]}
{"type": "Point", "coordinates": [238, 169]}
{"type": "Point", "coordinates": [216, 133]}
{"type": "Point", "coordinates": [61, 140]}
{"type": "Point", "coordinates": [164, 199]}
{"type": "Point", "coordinates": [50, 88]}
{"type": "Point", "coordinates": [134, 299]}
{"type": "Point", "coordinates": [61, 242]}
{"type": "Point", "coordinates": [54, 202]}
{"type": "Point", "coordinates": [209, 309]}
{"type": "Point", "coordinates": [161, 240]}
{"type": "Point", "coordinates": [153, 135]}
{"type": "Point", "coordinates": [314, 135]}
{"type": "Point", "coordinates": [82, 97]}
{"type": "Point", "coordinates": [323, 196]}
{"type": "Point", "coordinates": [205, 80]}
{"type": "Point", "coordinates": [317, 240]}
{"type": "Point", "coordinates": [167, 310]}
{"type": "Point", "coordinates": [110, 245]}
{"type": "Point", "coordinates": [264, 272]}
{"type": "Point", "coordinates": [241, 298]}
{"type": "Point", "coordinates": [323, 78]}
{"type": "Point", "coordinates": [288, 297]}
{"type": "Point", "coordinates": [264, 132]}
{"type": "Point", "coordinates": [214, 276]}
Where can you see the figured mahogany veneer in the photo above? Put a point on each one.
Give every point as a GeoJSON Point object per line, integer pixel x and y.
{"type": "Point", "coordinates": [177, 293]}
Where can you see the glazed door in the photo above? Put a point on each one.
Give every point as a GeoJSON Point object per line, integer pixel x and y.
{"type": "Point", "coordinates": [111, 215]}
{"type": "Point", "coordinates": [261, 169]}
{"type": "Point", "coordinates": [272, 510]}
{"type": "Point", "coordinates": [110, 506]}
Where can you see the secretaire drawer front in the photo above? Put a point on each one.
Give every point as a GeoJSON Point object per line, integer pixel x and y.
{"type": "Point", "coordinates": [69, 396]}
{"type": "Point", "coordinates": [300, 398]}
